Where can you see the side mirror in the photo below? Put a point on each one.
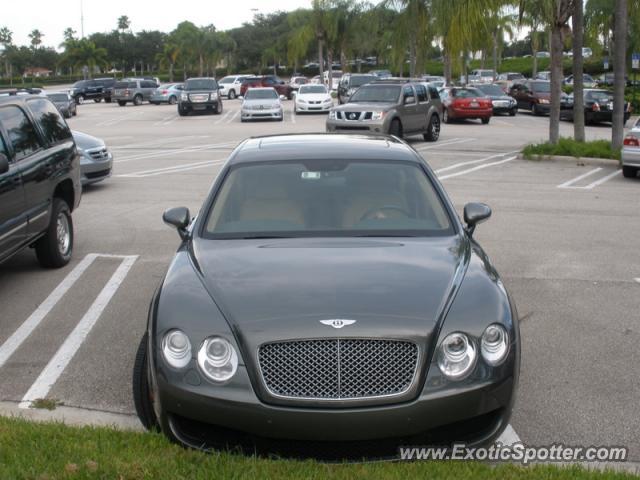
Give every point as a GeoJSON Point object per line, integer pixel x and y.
{"type": "Point", "coordinates": [179, 218]}
{"type": "Point", "coordinates": [220, 87]}
{"type": "Point", "coordinates": [4, 163]}
{"type": "Point", "coordinates": [409, 99]}
{"type": "Point", "coordinates": [282, 97]}
{"type": "Point", "coordinates": [475, 213]}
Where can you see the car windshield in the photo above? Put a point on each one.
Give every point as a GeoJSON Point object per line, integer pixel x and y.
{"type": "Point", "coordinates": [494, 90]}
{"type": "Point", "coordinates": [486, 73]}
{"type": "Point", "coordinates": [80, 84]}
{"type": "Point", "coordinates": [601, 96]}
{"type": "Point", "coordinates": [226, 80]}
{"type": "Point", "coordinates": [327, 198]}
{"type": "Point", "coordinates": [541, 87]}
{"type": "Point", "coordinates": [58, 97]}
{"type": "Point", "coordinates": [255, 94]}
{"type": "Point", "coordinates": [359, 80]}
{"type": "Point", "coordinates": [466, 93]}
{"type": "Point", "coordinates": [377, 93]}
{"type": "Point", "coordinates": [313, 89]}
{"type": "Point", "coordinates": [200, 84]}
{"type": "Point", "coordinates": [515, 76]}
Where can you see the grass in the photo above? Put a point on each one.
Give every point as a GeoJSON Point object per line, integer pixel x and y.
{"type": "Point", "coordinates": [53, 451]}
{"type": "Point", "coordinates": [568, 147]}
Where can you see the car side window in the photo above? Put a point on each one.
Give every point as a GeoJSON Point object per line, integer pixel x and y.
{"type": "Point", "coordinates": [407, 93]}
{"type": "Point", "coordinates": [421, 91]}
{"type": "Point", "coordinates": [22, 134]}
{"type": "Point", "coordinates": [3, 147]}
{"type": "Point", "coordinates": [47, 116]}
{"type": "Point", "coordinates": [433, 93]}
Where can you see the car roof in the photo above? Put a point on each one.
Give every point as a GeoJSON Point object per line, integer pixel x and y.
{"type": "Point", "coordinates": [323, 146]}
{"type": "Point", "coordinates": [263, 88]}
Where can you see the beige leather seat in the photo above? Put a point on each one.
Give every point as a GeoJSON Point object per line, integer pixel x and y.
{"type": "Point", "coordinates": [266, 198]}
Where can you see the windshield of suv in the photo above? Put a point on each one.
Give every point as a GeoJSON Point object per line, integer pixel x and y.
{"type": "Point", "coordinates": [357, 198]}
{"type": "Point", "coordinates": [377, 93]}
{"type": "Point", "coordinates": [600, 96]}
{"type": "Point", "coordinates": [493, 90]}
{"type": "Point", "coordinates": [255, 94]}
{"type": "Point", "coordinates": [541, 87]}
{"type": "Point", "coordinates": [313, 89]}
{"type": "Point", "coordinates": [58, 97]}
{"type": "Point", "coordinates": [200, 84]}
{"type": "Point", "coordinates": [359, 80]}
{"type": "Point", "coordinates": [80, 84]}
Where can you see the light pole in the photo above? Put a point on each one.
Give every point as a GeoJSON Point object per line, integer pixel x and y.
{"type": "Point", "coordinates": [81, 19]}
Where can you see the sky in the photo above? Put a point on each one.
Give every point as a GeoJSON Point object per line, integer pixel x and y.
{"type": "Point", "coordinates": [52, 17]}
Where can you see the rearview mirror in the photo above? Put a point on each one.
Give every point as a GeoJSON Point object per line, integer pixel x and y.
{"type": "Point", "coordinates": [475, 213]}
{"type": "Point", "coordinates": [179, 218]}
{"type": "Point", "coordinates": [4, 163]}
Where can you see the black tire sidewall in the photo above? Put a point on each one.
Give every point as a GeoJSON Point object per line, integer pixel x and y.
{"type": "Point", "coordinates": [140, 387]}
{"type": "Point", "coordinates": [47, 249]}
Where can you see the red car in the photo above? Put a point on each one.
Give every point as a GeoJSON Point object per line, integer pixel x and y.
{"type": "Point", "coordinates": [465, 102]}
{"type": "Point", "coordinates": [267, 81]}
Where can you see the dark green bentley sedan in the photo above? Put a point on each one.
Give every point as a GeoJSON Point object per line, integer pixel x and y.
{"type": "Point", "coordinates": [327, 301]}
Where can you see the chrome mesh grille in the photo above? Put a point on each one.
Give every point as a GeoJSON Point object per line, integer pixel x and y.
{"type": "Point", "coordinates": [338, 369]}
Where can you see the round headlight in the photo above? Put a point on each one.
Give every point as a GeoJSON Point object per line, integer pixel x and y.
{"type": "Point", "coordinates": [176, 349]}
{"type": "Point", "coordinates": [457, 356]}
{"type": "Point", "coordinates": [494, 345]}
{"type": "Point", "coordinates": [218, 359]}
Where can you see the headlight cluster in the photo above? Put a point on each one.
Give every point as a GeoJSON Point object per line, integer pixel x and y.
{"type": "Point", "coordinates": [458, 354]}
{"type": "Point", "coordinates": [217, 358]}
{"type": "Point", "coordinates": [377, 115]}
{"type": "Point", "coordinates": [184, 97]}
{"type": "Point", "coordinates": [332, 115]}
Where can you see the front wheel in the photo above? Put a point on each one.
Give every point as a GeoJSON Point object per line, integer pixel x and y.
{"type": "Point", "coordinates": [433, 130]}
{"type": "Point", "coordinates": [54, 249]}
{"type": "Point", "coordinates": [232, 94]}
{"type": "Point", "coordinates": [182, 112]}
{"type": "Point", "coordinates": [395, 128]}
{"type": "Point", "coordinates": [445, 116]}
{"type": "Point", "coordinates": [141, 392]}
{"type": "Point", "coordinates": [485, 120]}
{"type": "Point", "coordinates": [172, 100]}
{"type": "Point", "coordinates": [80, 99]}
{"type": "Point", "coordinates": [122, 103]}
{"type": "Point", "coordinates": [137, 100]}
{"type": "Point", "coordinates": [97, 100]}
{"type": "Point", "coordinates": [513, 112]}
{"type": "Point", "coordinates": [629, 172]}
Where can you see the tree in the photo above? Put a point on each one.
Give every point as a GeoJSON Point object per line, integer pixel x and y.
{"type": "Point", "coordinates": [36, 38]}
{"type": "Point", "coordinates": [84, 53]}
{"type": "Point", "coordinates": [578, 74]}
{"type": "Point", "coordinates": [619, 69]}
{"type": "Point", "coordinates": [500, 23]}
{"type": "Point", "coordinates": [6, 39]}
{"type": "Point", "coordinates": [168, 57]}
{"type": "Point", "coordinates": [533, 20]}
{"type": "Point", "coordinates": [69, 34]}
{"type": "Point", "coordinates": [124, 23]}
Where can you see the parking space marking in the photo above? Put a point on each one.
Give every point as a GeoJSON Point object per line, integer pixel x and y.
{"type": "Point", "coordinates": [509, 437]}
{"type": "Point", "coordinates": [155, 143]}
{"type": "Point", "coordinates": [30, 324]}
{"type": "Point", "coordinates": [479, 167]}
{"type": "Point", "coordinates": [578, 178]}
{"type": "Point", "coordinates": [637, 280]}
{"type": "Point", "coordinates": [223, 117]}
{"type": "Point", "coordinates": [174, 169]}
{"type": "Point", "coordinates": [473, 162]}
{"type": "Point", "coordinates": [66, 352]}
{"type": "Point", "coordinates": [570, 184]}
{"type": "Point", "coordinates": [446, 143]}
{"type": "Point", "coordinates": [233, 118]}
{"type": "Point", "coordinates": [196, 148]}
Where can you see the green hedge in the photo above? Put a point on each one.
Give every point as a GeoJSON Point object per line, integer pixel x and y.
{"type": "Point", "coordinates": [568, 147]}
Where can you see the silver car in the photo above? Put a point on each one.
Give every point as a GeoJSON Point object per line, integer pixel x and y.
{"type": "Point", "coordinates": [96, 161]}
{"type": "Point", "coordinates": [167, 93]}
{"type": "Point", "coordinates": [631, 152]}
{"type": "Point", "coordinates": [133, 90]}
{"type": "Point", "coordinates": [261, 104]}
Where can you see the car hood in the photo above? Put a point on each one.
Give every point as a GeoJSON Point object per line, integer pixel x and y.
{"type": "Point", "coordinates": [366, 107]}
{"type": "Point", "coordinates": [314, 97]}
{"type": "Point", "coordinates": [85, 141]}
{"type": "Point", "coordinates": [267, 102]}
{"type": "Point", "coordinates": [282, 288]}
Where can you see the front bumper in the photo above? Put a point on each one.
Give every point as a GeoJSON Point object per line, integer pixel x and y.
{"type": "Point", "coordinates": [161, 98]}
{"type": "Point", "coordinates": [503, 107]}
{"type": "Point", "coordinates": [307, 107]}
{"type": "Point", "coordinates": [93, 170]}
{"type": "Point", "coordinates": [366, 126]}
{"type": "Point", "coordinates": [631, 157]}
{"type": "Point", "coordinates": [470, 112]}
{"type": "Point", "coordinates": [266, 114]}
{"type": "Point", "coordinates": [198, 106]}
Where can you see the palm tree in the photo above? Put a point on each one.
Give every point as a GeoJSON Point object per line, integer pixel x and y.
{"type": "Point", "coordinates": [124, 23]}
{"type": "Point", "coordinates": [410, 30]}
{"type": "Point", "coordinates": [36, 38]}
{"type": "Point", "coordinates": [533, 20]}
{"type": "Point", "coordinates": [168, 57]}
{"type": "Point", "coordinates": [6, 39]}
{"type": "Point", "coordinates": [619, 68]}
{"type": "Point", "coordinates": [500, 23]}
{"type": "Point", "coordinates": [84, 52]}
{"type": "Point", "coordinates": [578, 66]}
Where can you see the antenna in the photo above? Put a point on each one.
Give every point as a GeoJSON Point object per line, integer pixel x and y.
{"type": "Point", "coordinates": [81, 20]}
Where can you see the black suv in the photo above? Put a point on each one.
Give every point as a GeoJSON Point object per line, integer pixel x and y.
{"type": "Point", "coordinates": [39, 180]}
{"type": "Point", "coordinates": [87, 90]}
{"type": "Point", "coordinates": [200, 95]}
{"type": "Point", "coordinates": [107, 88]}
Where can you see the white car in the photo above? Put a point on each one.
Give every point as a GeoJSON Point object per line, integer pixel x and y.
{"type": "Point", "coordinates": [261, 104]}
{"type": "Point", "coordinates": [312, 98]}
{"type": "Point", "coordinates": [231, 85]}
{"type": "Point", "coordinates": [631, 152]}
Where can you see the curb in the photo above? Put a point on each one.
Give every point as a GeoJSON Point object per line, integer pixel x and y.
{"type": "Point", "coordinates": [73, 416]}
{"type": "Point", "coordinates": [579, 161]}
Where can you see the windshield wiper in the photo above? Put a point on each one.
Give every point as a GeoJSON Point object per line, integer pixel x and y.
{"type": "Point", "coordinates": [382, 235]}
{"type": "Point", "coordinates": [263, 237]}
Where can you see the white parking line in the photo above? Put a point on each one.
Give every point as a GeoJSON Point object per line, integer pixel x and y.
{"type": "Point", "coordinates": [446, 143]}
{"type": "Point", "coordinates": [174, 169]}
{"type": "Point", "coordinates": [65, 353]}
{"type": "Point", "coordinates": [474, 169]}
{"type": "Point", "coordinates": [578, 178]}
{"type": "Point", "coordinates": [30, 324]}
{"type": "Point", "coordinates": [473, 162]}
{"type": "Point", "coordinates": [293, 117]}
{"type": "Point", "coordinates": [603, 179]}
{"type": "Point", "coordinates": [509, 436]}
{"type": "Point", "coordinates": [233, 118]}
{"type": "Point", "coordinates": [223, 117]}
{"type": "Point", "coordinates": [637, 280]}
{"type": "Point", "coordinates": [154, 143]}
{"type": "Point", "coordinates": [196, 148]}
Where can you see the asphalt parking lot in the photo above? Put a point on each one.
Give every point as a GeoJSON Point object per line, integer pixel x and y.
{"type": "Point", "coordinates": [563, 236]}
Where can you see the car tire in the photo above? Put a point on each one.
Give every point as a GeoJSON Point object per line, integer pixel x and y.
{"type": "Point", "coordinates": [232, 94]}
{"type": "Point", "coordinates": [445, 116]}
{"type": "Point", "coordinates": [137, 100]}
{"type": "Point", "coordinates": [75, 112]}
{"type": "Point", "coordinates": [182, 112]}
{"type": "Point", "coordinates": [79, 99]}
{"type": "Point", "coordinates": [513, 112]}
{"type": "Point", "coordinates": [55, 248]}
{"type": "Point", "coordinates": [485, 120]}
{"type": "Point", "coordinates": [173, 100]}
{"type": "Point", "coordinates": [395, 128]}
{"type": "Point", "coordinates": [433, 129]}
{"type": "Point", "coordinates": [107, 100]}
{"type": "Point", "coordinates": [141, 391]}
{"type": "Point", "coordinates": [97, 100]}
{"type": "Point", "coordinates": [122, 103]}
{"type": "Point", "coordinates": [629, 172]}
{"type": "Point", "coordinates": [534, 109]}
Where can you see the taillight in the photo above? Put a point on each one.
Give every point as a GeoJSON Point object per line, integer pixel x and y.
{"type": "Point", "coordinates": [126, 93]}
{"type": "Point", "coordinates": [596, 107]}
{"type": "Point", "coordinates": [164, 92]}
{"type": "Point", "coordinates": [631, 141]}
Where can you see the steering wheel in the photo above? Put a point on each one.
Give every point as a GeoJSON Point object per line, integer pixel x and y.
{"type": "Point", "coordinates": [395, 208]}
